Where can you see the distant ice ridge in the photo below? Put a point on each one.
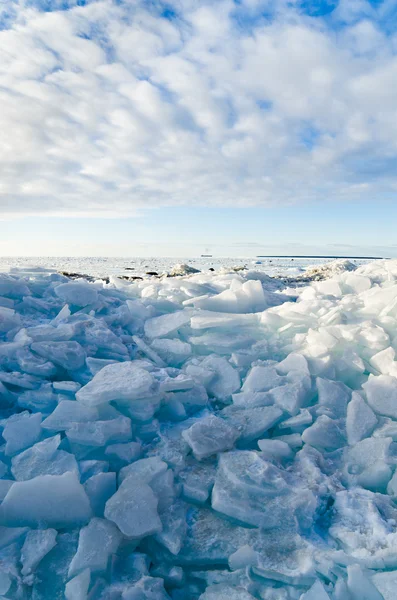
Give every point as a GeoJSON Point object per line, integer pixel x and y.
{"type": "Point", "coordinates": [209, 436]}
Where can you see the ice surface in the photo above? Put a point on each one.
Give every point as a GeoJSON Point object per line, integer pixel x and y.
{"type": "Point", "coordinates": [97, 542]}
{"type": "Point", "coordinates": [57, 501]}
{"type": "Point", "coordinates": [123, 382]}
{"type": "Point", "coordinates": [38, 542]}
{"type": "Point", "coordinates": [77, 293]}
{"type": "Point", "coordinates": [134, 509]}
{"type": "Point", "coordinates": [199, 436]}
{"type": "Point", "coordinates": [209, 436]}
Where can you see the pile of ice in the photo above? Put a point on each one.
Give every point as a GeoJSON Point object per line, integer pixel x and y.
{"type": "Point", "coordinates": [329, 269]}
{"type": "Point", "coordinates": [203, 437]}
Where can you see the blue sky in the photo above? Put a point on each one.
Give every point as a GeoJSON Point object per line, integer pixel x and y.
{"type": "Point", "coordinates": [243, 127]}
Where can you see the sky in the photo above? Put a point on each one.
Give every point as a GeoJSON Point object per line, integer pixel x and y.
{"type": "Point", "coordinates": [231, 127]}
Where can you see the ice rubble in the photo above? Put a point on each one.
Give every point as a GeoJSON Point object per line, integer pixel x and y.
{"type": "Point", "coordinates": [205, 436]}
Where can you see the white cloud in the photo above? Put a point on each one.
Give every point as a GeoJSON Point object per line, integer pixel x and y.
{"type": "Point", "coordinates": [105, 109]}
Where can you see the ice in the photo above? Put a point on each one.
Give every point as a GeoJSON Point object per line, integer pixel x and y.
{"type": "Point", "coordinates": [226, 592]}
{"type": "Point", "coordinates": [67, 414]}
{"type": "Point", "coordinates": [100, 433]}
{"type": "Point", "coordinates": [173, 351]}
{"type": "Point", "coordinates": [252, 423]}
{"type": "Point", "coordinates": [386, 584]}
{"type": "Point", "coordinates": [360, 419]}
{"type": "Point", "coordinates": [165, 324]}
{"type": "Point", "coordinates": [38, 542]}
{"type": "Point", "coordinates": [43, 458]}
{"type": "Point", "coordinates": [77, 588]}
{"type": "Point", "coordinates": [21, 431]}
{"type": "Point", "coordinates": [134, 509]}
{"type": "Point", "coordinates": [9, 319]}
{"type": "Point", "coordinates": [35, 365]}
{"type": "Point", "coordinates": [381, 394]}
{"type": "Point", "coordinates": [77, 293]}
{"type": "Point", "coordinates": [254, 491]}
{"type": "Point", "coordinates": [316, 592]}
{"type": "Point", "coordinates": [68, 355]}
{"type": "Point", "coordinates": [360, 587]}
{"type": "Point", "coordinates": [99, 488]}
{"type": "Point", "coordinates": [209, 436]}
{"type": "Point", "coordinates": [226, 380]}
{"type": "Point", "coordinates": [275, 449]}
{"type": "Point", "coordinates": [325, 433]}
{"type": "Point", "coordinates": [57, 501]}
{"type": "Point", "coordinates": [97, 542]}
{"type": "Point", "coordinates": [122, 382]}
{"type": "Point", "coordinates": [262, 379]}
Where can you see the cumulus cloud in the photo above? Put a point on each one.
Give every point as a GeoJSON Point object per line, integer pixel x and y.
{"type": "Point", "coordinates": [111, 107]}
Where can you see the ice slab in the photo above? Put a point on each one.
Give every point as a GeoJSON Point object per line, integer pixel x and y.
{"type": "Point", "coordinates": [56, 501]}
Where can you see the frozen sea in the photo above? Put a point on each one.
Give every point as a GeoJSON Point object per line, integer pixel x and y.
{"type": "Point", "coordinates": [106, 266]}
{"type": "Point", "coordinates": [219, 435]}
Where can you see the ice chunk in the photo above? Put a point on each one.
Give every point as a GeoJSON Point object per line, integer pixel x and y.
{"type": "Point", "coordinates": [226, 592]}
{"type": "Point", "coordinates": [99, 488]}
{"type": "Point", "coordinates": [360, 420]}
{"type": "Point", "coordinates": [209, 436]}
{"type": "Point", "coordinates": [252, 399]}
{"type": "Point", "coordinates": [227, 380]}
{"type": "Point", "coordinates": [316, 592]}
{"type": "Point", "coordinates": [151, 588]}
{"type": "Point", "coordinates": [100, 433]}
{"type": "Point", "coordinates": [166, 324]}
{"type": "Point", "coordinates": [293, 362]}
{"type": "Point", "coordinates": [325, 434]}
{"type": "Point", "coordinates": [174, 527]}
{"type": "Point", "coordinates": [148, 351]}
{"type": "Point", "coordinates": [275, 449]}
{"type": "Point", "coordinates": [68, 355]}
{"type": "Point", "coordinates": [37, 544]}
{"type": "Point", "coordinates": [173, 351]}
{"type": "Point", "coordinates": [384, 361]}
{"type": "Point", "coordinates": [123, 382]}
{"type": "Point", "coordinates": [360, 587]}
{"type": "Point", "coordinates": [43, 458]}
{"type": "Point", "coordinates": [134, 509]}
{"type": "Point", "coordinates": [97, 542]}
{"type": "Point", "coordinates": [145, 470]}
{"type": "Point", "coordinates": [297, 422]}
{"type": "Point", "coordinates": [12, 287]}
{"type": "Point", "coordinates": [34, 365]}
{"type": "Point", "coordinates": [77, 293]}
{"type": "Point", "coordinates": [9, 319]}
{"type": "Point", "coordinates": [245, 556]}
{"type": "Point", "coordinates": [67, 414]}
{"type": "Point", "coordinates": [21, 431]}
{"type": "Point", "coordinates": [262, 379]}
{"type": "Point", "coordinates": [120, 454]}
{"type": "Point", "coordinates": [386, 584]}
{"type": "Point", "coordinates": [333, 397]}
{"type": "Point", "coordinates": [256, 492]}
{"type": "Point", "coordinates": [77, 588]}
{"type": "Point", "coordinates": [251, 423]}
{"type": "Point", "coordinates": [381, 394]}
{"type": "Point", "coordinates": [181, 269]}
{"type": "Point", "coordinates": [54, 501]}
{"type": "Point", "coordinates": [197, 482]}
{"type": "Point", "coordinates": [290, 397]}
{"type": "Point", "coordinates": [366, 463]}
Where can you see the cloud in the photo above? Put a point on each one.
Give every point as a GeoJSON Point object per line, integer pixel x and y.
{"type": "Point", "coordinates": [108, 108]}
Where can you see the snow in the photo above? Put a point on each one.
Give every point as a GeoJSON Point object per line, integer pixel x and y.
{"type": "Point", "coordinates": [207, 435]}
